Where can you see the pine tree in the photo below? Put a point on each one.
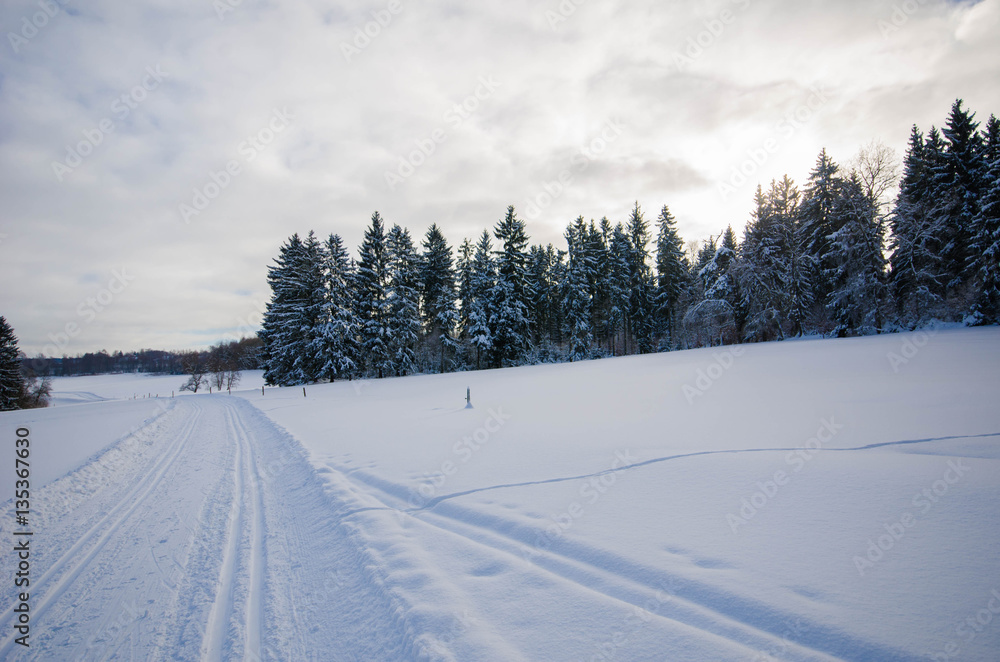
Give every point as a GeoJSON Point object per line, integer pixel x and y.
{"type": "Point", "coordinates": [986, 309]}
{"type": "Point", "coordinates": [818, 222]}
{"type": "Point", "coordinates": [12, 384]}
{"type": "Point", "coordinates": [371, 306]}
{"type": "Point", "coordinates": [858, 266]}
{"type": "Point", "coordinates": [509, 322]}
{"type": "Point", "coordinates": [542, 292]}
{"type": "Point", "coordinates": [916, 273]}
{"type": "Point", "coordinates": [671, 277]}
{"type": "Point", "coordinates": [439, 310]}
{"type": "Point", "coordinates": [475, 305]}
{"type": "Point", "coordinates": [957, 177]}
{"type": "Point", "coordinates": [619, 268]}
{"type": "Point", "coordinates": [291, 318]}
{"type": "Point", "coordinates": [577, 299]}
{"type": "Point", "coordinates": [640, 301]}
{"type": "Point", "coordinates": [402, 301]}
{"type": "Point", "coordinates": [309, 362]}
{"type": "Point", "coordinates": [337, 342]}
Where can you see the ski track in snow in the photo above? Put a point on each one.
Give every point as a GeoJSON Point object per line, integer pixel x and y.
{"type": "Point", "coordinates": [198, 546]}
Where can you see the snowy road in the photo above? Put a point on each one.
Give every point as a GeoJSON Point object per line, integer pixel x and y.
{"type": "Point", "coordinates": [196, 538]}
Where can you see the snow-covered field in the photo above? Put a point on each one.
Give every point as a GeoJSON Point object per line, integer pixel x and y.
{"type": "Point", "coordinates": [94, 388]}
{"type": "Point", "coordinates": [811, 500]}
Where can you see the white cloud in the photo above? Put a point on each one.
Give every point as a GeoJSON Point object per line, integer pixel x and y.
{"type": "Point", "coordinates": [559, 85]}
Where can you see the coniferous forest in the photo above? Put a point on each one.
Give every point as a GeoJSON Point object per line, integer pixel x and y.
{"type": "Point", "coordinates": [832, 258]}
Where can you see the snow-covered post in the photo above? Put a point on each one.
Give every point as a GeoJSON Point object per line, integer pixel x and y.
{"type": "Point", "coordinates": [468, 398]}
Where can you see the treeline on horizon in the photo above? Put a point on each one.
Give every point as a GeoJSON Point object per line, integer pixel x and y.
{"type": "Point", "coordinates": [239, 354]}
{"type": "Point", "coordinates": [833, 259]}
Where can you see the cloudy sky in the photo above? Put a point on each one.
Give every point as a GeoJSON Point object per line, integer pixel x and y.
{"type": "Point", "coordinates": [154, 155]}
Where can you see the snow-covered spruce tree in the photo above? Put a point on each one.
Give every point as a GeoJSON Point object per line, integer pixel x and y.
{"type": "Point", "coordinates": [439, 307]}
{"type": "Point", "coordinates": [286, 326]}
{"type": "Point", "coordinates": [640, 301]}
{"type": "Point", "coordinates": [671, 278]}
{"type": "Point", "coordinates": [986, 245]}
{"type": "Point", "coordinates": [371, 291]}
{"type": "Point", "coordinates": [800, 262]}
{"type": "Point", "coordinates": [599, 295]}
{"type": "Point", "coordinates": [776, 269]}
{"type": "Point", "coordinates": [12, 384]}
{"type": "Point", "coordinates": [508, 306]}
{"type": "Point", "coordinates": [308, 365]}
{"type": "Point", "coordinates": [337, 341]}
{"type": "Point", "coordinates": [475, 305]}
{"type": "Point", "coordinates": [576, 296]}
{"type": "Point", "coordinates": [542, 292]}
{"type": "Point", "coordinates": [818, 222]}
{"type": "Point", "coordinates": [856, 253]}
{"type": "Point", "coordinates": [957, 178]}
{"type": "Point", "coordinates": [556, 259]}
{"type": "Point", "coordinates": [720, 305]}
{"type": "Point", "coordinates": [619, 267]}
{"type": "Point", "coordinates": [916, 274]}
{"type": "Point", "coordinates": [403, 301]}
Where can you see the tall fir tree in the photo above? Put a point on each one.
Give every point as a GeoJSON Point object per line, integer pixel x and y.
{"type": "Point", "coordinates": [640, 300]}
{"type": "Point", "coordinates": [986, 308]}
{"type": "Point", "coordinates": [291, 318]}
{"type": "Point", "coordinates": [916, 274]}
{"type": "Point", "coordinates": [438, 296]}
{"type": "Point", "coordinates": [371, 289]}
{"type": "Point", "coordinates": [857, 274]}
{"type": "Point", "coordinates": [577, 298]}
{"type": "Point", "coordinates": [957, 178]}
{"type": "Point", "coordinates": [12, 384]}
{"type": "Point", "coordinates": [476, 305]}
{"type": "Point", "coordinates": [403, 301]}
{"type": "Point", "coordinates": [671, 277]}
{"type": "Point", "coordinates": [338, 342]}
{"type": "Point", "coordinates": [509, 322]}
{"type": "Point", "coordinates": [818, 221]}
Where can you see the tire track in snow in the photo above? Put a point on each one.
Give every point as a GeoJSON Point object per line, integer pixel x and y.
{"type": "Point", "coordinates": [62, 573]}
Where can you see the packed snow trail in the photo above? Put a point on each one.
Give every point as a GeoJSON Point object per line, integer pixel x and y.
{"type": "Point", "coordinates": [200, 536]}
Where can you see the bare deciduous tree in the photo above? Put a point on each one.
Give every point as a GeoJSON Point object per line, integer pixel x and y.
{"type": "Point", "coordinates": [877, 167]}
